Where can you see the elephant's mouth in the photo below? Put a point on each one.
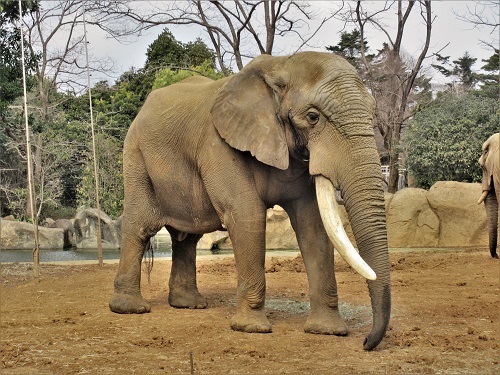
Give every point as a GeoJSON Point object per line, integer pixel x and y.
{"type": "Point", "coordinates": [329, 211]}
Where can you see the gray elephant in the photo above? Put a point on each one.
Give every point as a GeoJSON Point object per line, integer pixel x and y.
{"type": "Point", "coordinates": [207, 155]}
{"type": "Point", "coordinates": [490, 163]}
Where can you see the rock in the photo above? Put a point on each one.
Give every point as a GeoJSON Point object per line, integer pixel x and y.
{"type": "Point", "coordinates": [411, 221]}
{"type": "Point", "coordinates": [462, 220]}
{"type": "Point", "coordinates": [445, 216]}
{"type": "Point", "coordinates": [9, 218]}
{"type": "Point", "coordinates": [218, 240]}
{"type": "Point", "coordinates": [85, 225]}
{"type": "Point", "coordinates": [68, 228]}
{"type": "Point", "coordinates": [279, 232]}
{"type": "Point", "coordinates": [20, 236]}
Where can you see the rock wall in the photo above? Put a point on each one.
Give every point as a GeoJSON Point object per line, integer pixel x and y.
{"type": "Point", "coordinates": [445, 216]}
{"type": "Point", "coordinates": [20, 236]}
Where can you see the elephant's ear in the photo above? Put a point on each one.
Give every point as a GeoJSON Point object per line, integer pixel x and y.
{"type": "Point", "coordinates": [245, 114]}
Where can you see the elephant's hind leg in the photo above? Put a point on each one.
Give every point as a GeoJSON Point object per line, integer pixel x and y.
{"type": "Point", "coordinates": [183, 291]}
{"type": "Point", "coordinates": [141, 221]}
{"type": "Point", "coordinates": [127, 298]}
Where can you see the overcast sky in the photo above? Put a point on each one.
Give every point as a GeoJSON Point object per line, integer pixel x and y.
{"type": "Point", "coordinates": [460, 35]}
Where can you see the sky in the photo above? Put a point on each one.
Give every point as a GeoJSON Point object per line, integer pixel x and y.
{"type": "Point", "coordinates": [448, 32]}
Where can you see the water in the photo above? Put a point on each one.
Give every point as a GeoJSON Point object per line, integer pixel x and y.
{"type": "Point", "coordinates": [7, 256]}
{"type": "Point", "coordinates": [161, 245]}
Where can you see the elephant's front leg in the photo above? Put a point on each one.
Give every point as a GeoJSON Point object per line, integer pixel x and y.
{"type": "Point", "coordinates": [183, 291]}
{"type": "Point", "coordinates": [317, 253]}
{"type": "Point", "coordinates": [247, 232]}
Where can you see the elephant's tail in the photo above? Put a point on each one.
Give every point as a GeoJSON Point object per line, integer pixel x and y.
{"type": "Point", "coordinates": [149, 259]}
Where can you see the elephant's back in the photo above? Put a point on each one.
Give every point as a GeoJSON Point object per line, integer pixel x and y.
{"type": "Point", "coordinates": [172, 110]}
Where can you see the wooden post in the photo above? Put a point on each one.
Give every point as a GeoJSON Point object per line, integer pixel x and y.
{"type": "Point", "coordinates": [96, 177]}
{"type": "Point", "coordinates": [34, 219]}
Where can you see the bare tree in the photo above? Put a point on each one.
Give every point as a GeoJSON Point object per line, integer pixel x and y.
{"type": "Point", "coordinates": [482, 14]}
{"type": "Point", "coordinates": [237, 29]}
{"type": "Point", "coordinates": [55, 34]}
{"type": "Point", "coordinates": [391, 77]}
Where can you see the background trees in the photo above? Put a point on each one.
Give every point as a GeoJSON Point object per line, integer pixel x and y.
{"type": "Point", "coordinates": [236, 31]}
{"type": "Point", "coordinates": [444, 138]}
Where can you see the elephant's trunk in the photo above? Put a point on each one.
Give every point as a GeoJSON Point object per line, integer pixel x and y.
{"type": "Point", "coordinates": [491, 204]}
{"type": "Point", "coordinates": [361, 189]}
{"type": "Point", "coordinates": [366, 210]}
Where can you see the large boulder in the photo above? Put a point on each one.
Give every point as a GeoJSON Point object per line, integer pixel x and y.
{"type": "Point", "coordinates": [462, 220]}
{"type": "Point", "coordinates": [20, 236]}
{"type": "Point", "coordinates": [279, 234]}
{"type": "Point", "coordinates": [85, 225]}
{"type": "Point", "coordinates": [69, 231]}
{"type": "Point", "coordinates": [410, 220]}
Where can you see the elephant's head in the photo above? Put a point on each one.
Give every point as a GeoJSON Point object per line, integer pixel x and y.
{"type": "Point", "coordinates": [490, 163]}
{"type": "Point", "coordinates": [313, 107]}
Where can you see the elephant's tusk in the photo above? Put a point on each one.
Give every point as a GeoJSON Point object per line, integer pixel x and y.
{"type": "Point", "coordinates": [483, 197]}
{"type": "Point", "coordinates": [329, 211]}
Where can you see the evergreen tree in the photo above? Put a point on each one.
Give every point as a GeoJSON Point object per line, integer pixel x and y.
{"type": "Point", "coordinates": [349, 47]}
{"type": "Point", "coordinates": [460, 71]}
{"type": "Point", "coordinates": [490, 82]}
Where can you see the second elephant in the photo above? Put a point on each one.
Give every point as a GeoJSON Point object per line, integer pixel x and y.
{"type": "Point", "coordinates": [490, 163]}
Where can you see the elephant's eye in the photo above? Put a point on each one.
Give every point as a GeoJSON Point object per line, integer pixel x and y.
{"type": "Point", "coordinates": [312, 117]}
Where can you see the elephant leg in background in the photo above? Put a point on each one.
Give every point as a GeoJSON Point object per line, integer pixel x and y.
{"type": "Point", "coordinates": [491, 204]}
{"type": "Point", "coordinates": [318, 256]}
{"type": "Point", "coordinates": [183, 290]}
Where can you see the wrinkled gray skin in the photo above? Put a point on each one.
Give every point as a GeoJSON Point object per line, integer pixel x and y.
{"type": "Point", "coordinates": [203, 155]}
{"type": "Point", "coordinates": [490, 163]}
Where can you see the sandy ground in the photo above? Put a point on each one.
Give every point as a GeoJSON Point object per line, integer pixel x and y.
{"type": "Point", "coordinates": [445, 320]}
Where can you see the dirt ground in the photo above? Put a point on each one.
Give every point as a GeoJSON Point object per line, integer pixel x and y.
{"type": "Point", "coordinates": [445, 320]}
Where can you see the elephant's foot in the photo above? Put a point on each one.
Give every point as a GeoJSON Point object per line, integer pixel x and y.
{"type": "Point", "coordinates": [128, 304]}
{"type": "Point", "coordinates": [187, 300]}
{"type": "Point", "coordinates": [326, 323]}
{"type": "Point", "coordinates": [251, 321]}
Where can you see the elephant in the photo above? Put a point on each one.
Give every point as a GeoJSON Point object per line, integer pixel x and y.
{"type": "Point", "coordinates": [490, 164]}
{"type": "Point", "coordinates": [205, 155]}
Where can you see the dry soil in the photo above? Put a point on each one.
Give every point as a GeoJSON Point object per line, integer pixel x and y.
{"type": "Point", "coordinates": [445, 320]}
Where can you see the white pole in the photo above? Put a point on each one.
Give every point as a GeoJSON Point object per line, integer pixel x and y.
{"type": "Point", "coordinates": [96, 178]}
{"type": "Point", "coordinates": [36, 255]}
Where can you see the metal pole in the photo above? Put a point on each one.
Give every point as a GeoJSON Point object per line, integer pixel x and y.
{"type": "Point", "coordinates": [96, 178]}
{"type": "Point", "coordinates": [36, 250]}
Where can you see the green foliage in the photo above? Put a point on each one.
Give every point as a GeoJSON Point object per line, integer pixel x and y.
{"type": "Point", "coordinates": [167, 76]}
{"type": "Point", "coordinates": [490, 82]}
{"type": "Point", "coordinates": [61, 136]}
{"type": "Point", "coordinates": [349, 47]}
{"type": "Point", "coordinates": [166, 51]}
{"type": "Point", "coordinates": [444, 138]}
{"type": "Point", "coordinates": [109, 161]}
{"type": "Point", "coordinates": [16, 205]}
{"type": "Point", "coordinates": [461, 70]}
